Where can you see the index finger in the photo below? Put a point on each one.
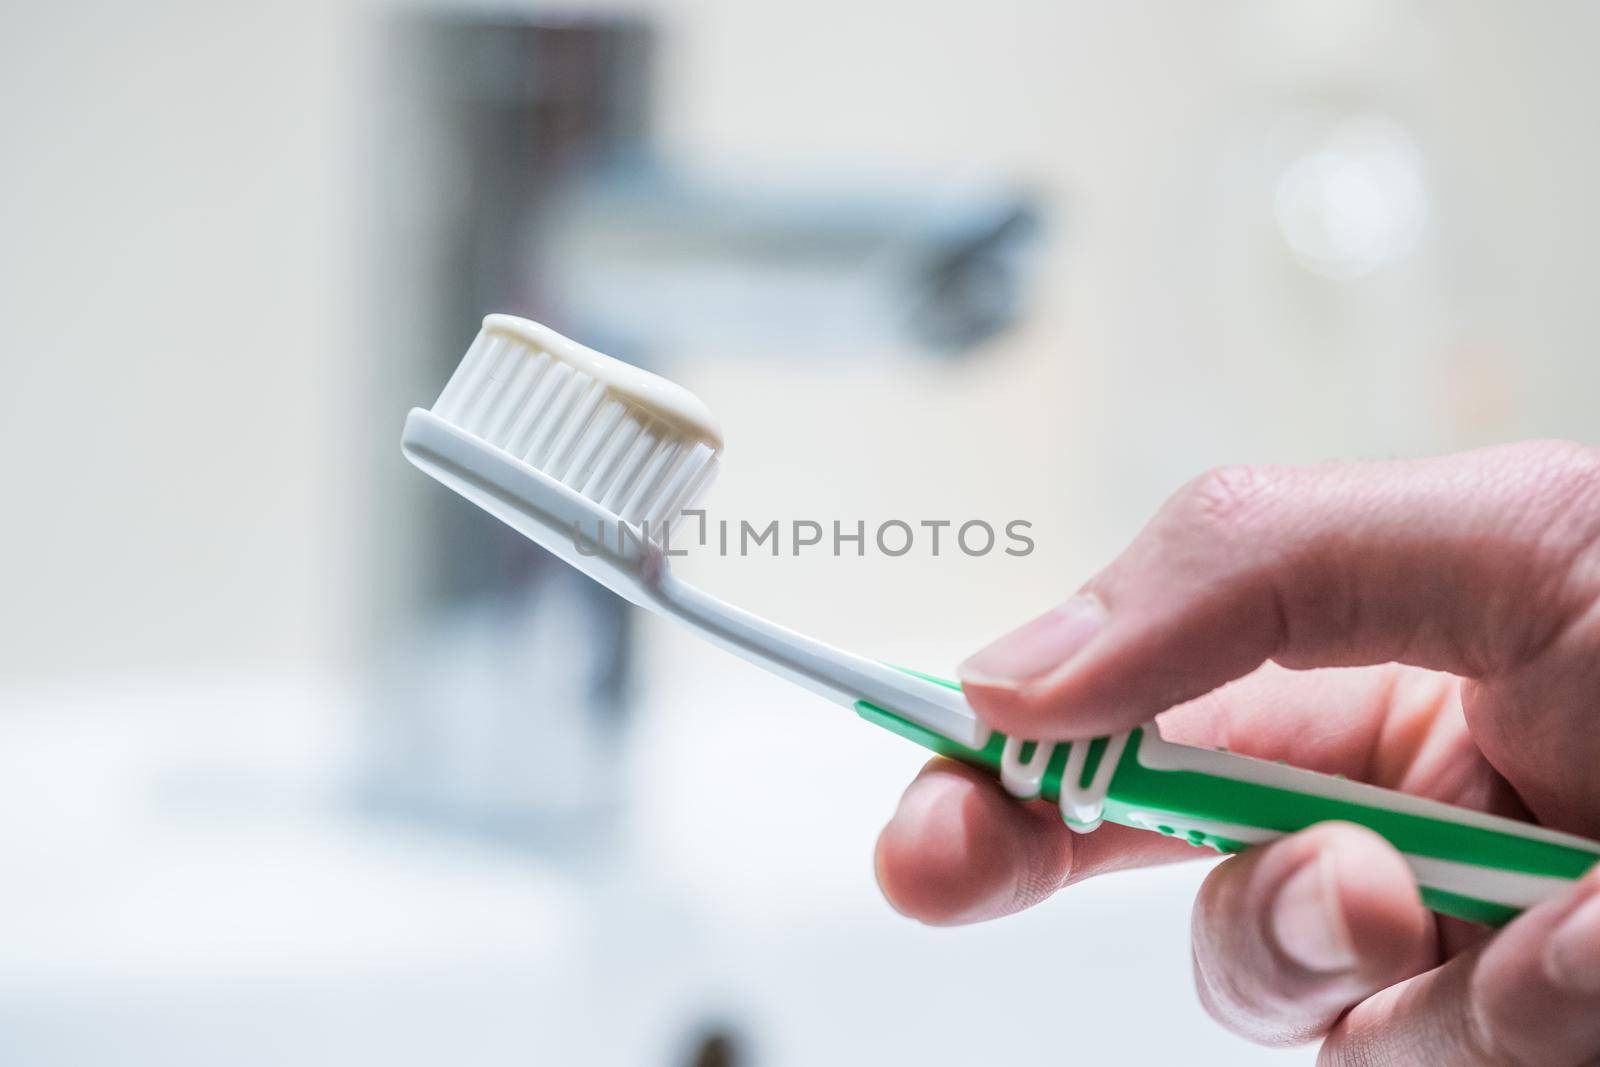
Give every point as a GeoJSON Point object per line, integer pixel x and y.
{"type": "Point", "coordinates": [1466, 563]}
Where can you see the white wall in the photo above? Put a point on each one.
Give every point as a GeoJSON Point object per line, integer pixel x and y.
{"type": "Point", "coordinates": [175, 260]}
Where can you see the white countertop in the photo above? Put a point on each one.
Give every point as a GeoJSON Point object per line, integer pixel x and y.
{"type": "Point", "coordinates": [187, 879]}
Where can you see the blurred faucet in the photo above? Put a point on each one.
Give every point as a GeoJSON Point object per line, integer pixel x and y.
{"type": "Point", "coordinates": [645, 253]}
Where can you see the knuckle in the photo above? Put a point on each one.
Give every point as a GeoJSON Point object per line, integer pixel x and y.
{"type": "Point", "coordinates": [1561, 487]}
{"type": "Point", "coordinates": [1560, 455]}
{"type": "Point", "coordinates": [1228, 497]}
{"type": "Point", "coordinates": [1563, 481]}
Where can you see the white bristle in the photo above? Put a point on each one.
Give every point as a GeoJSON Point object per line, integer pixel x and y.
{"type": "Point", "coordinates": [488, 383]}
{"type": "Point", "coordinates": [685, 484]}
{"type": "Point", "coordinates": [612, 451]}
{"type": "Point", "coordinates": [548, 413]}
{"type": "Point", "coordinates": [580, 463]}
{"type": "Point", "coordinates": [626, 476]}
{"type": "Point", "coordinates": [467, 374]}
{"type": "Point", "coordinates": [552, 409]}
{"type": "Point", "coordinates": [526, 423]}
{"type": "Point", "coordinates": [638, 506]}
{"type": "Point", "coordinates": [575, 427]}
{"type": "Point", "coordinates": [524, 380]}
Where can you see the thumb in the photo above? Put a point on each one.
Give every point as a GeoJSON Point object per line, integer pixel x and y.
{"type": "Point", "coordinates": [1467, 563]}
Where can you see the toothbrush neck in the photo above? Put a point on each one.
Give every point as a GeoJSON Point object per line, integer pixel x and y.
{"type": "Point", "coordinates": [841, 676]}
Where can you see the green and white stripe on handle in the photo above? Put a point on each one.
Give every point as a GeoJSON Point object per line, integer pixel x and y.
{"type": "Point", "coordinates": [1468, 864]}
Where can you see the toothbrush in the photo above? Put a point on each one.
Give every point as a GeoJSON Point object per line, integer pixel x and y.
{"type": "Point", "coordinates": [590, 458]}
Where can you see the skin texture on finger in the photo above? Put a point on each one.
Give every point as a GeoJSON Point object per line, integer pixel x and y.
{"type": "Point", "coordinates": [1288, 937]}
{"type": "Point", "coordinates": [1530, 996]}
{"type": "Point", "coordinates": [1470, 563]}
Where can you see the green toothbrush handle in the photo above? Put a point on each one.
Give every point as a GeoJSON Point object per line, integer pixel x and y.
{"type": "Point", "coordinates": [1470, 865]}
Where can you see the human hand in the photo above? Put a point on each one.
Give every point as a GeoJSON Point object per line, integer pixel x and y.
{"type": "Point", "coordinates": [1462, 595]}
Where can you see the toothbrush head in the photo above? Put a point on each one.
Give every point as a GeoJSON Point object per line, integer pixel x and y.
{"type": "Point", "coordinates": [590, 457]}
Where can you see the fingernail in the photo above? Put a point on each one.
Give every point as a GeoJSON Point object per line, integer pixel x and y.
{"type": "Point", "coordinates": [1038, 647]}
{"type": "Point", "coordinates": [1572, 955]}
{"type": "Point", "coordinates": [1308, 924]}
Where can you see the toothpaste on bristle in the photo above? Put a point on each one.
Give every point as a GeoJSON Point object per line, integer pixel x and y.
{"type": "Point", "coordinates": [641, 447]}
